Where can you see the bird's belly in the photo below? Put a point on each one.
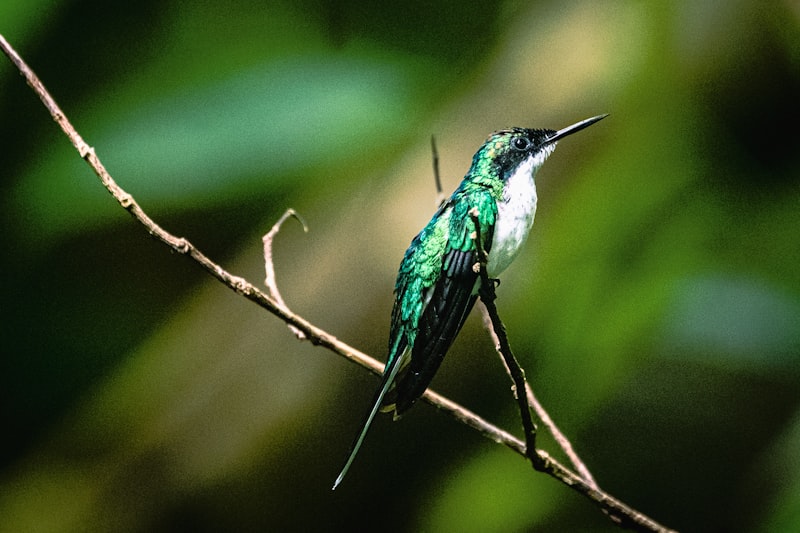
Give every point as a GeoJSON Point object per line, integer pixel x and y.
{"type": "Point", "coordinates": [514, 220]}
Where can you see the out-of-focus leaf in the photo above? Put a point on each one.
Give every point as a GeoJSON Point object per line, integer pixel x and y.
{"type": "Point", "coordinates": [741, 319]}
{"type": "Point", "coordinates": [503, 503]}
{"type": "Point", "coordinates": [281, 120]}
{"type": "Point", "coordinates": [25, 16]}
{"type": "Point", "coordinates": [780, 471]}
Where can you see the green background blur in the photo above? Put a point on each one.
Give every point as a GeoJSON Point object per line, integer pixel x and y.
{"type": "Point", "coordinates": [656, 307]}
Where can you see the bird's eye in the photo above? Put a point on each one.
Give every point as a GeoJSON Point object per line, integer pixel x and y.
{"type": "Point", "coordinates": [521, 143]}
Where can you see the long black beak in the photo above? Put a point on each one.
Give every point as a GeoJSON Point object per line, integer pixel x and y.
{"type": "Point", "coordinates": [578, 126]}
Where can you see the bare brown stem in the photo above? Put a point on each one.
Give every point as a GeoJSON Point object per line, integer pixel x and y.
{"type": "Point", "coordinates": [541, 413]}
{"type": "Point", "coordinates": [270, 281]}
{"type": "Point", "coordinates": [516, 372]}
{"type": "Point", "coordinates": [440, 196]}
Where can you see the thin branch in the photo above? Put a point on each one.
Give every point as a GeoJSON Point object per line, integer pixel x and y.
{"type": "Point", "coordinates": [541, 412]}
{"type": "Point", "coordinates": [522, 390]}
{"type": "Point", "coordinates": [630, 517]}
{"type": "Point", "coordinates": [269, 266]}
{"type": "Point", "coordinates": [440, 196]}
{"type": "Point", "coordinates": [488, 296]}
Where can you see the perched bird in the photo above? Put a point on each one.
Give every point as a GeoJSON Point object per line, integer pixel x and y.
{"type": "Point", "coordinates": [437, 284]}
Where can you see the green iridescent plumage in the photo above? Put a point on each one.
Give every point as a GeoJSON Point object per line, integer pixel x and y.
{"type": "Point", "coordinates": [435, 291]}
{"type": "Point", "coordinates": [437, 284]}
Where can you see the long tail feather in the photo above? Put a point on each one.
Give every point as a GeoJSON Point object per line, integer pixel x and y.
{"type": "Point", "coordinates": [386, 383]}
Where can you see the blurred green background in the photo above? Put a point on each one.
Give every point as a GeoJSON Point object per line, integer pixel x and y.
{"type": "Point", "coordinates": [656, 307]}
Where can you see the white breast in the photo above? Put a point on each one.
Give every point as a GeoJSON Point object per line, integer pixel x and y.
{"type": "Point", "coordinates": [515, 214]}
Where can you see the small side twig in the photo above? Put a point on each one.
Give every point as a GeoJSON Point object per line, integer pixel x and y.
{"type": "Point", "coordinates": [440, 196]}
{"type": "Point", "coordinates": [269, 266]}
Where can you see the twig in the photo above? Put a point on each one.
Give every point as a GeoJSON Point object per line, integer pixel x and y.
{"type": "Point", "coordinates": [269, 266]}
{"type": "Point", "coordinates": [522, 390]}
{"type": "Point", "coordinates": [488, 296]}
{"type": "Point", "coordinates": [631, 518]}
{"type": "Point", "coordinates": [541, 412]}
{"type": "Point", "coordinates": [440, 196]}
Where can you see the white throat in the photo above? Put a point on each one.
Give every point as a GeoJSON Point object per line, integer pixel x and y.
{"type": "Point", "coordinates": [515, 213]}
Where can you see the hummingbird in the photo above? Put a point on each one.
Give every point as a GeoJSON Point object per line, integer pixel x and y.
{"type": "Point", "coordinates": [438, 282]}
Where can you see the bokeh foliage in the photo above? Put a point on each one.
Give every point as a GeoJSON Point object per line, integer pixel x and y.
{"type": "Point", "coordinates": [656, 308]}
